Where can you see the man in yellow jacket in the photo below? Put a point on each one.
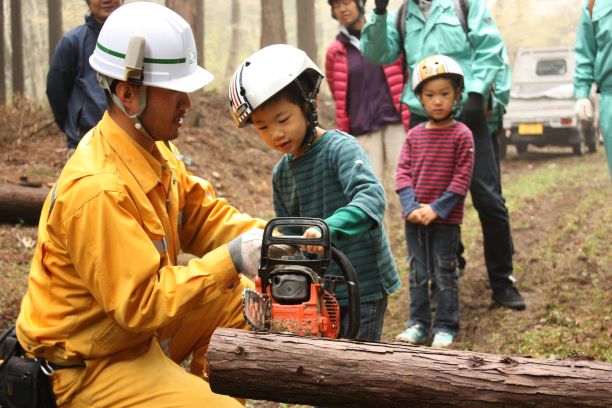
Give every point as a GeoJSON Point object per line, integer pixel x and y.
{"type": "Point", "coordinates": [107, 305]}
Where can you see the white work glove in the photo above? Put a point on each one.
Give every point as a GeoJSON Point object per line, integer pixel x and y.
{"type": "Point", "coordinates": [245, 251]}
{"type": "Point", "coordinates": [583, 109]}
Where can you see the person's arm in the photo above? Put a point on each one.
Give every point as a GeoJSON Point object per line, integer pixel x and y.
{"type": "Point", "coordinates": [348, 222]}
{"type": "Point", "coordinates": [586, 50]}
{"type": "Point", "coordinates": [445, 204]}
{"type": "Point", "coordinates": [464, 164]}
{"type": "Point", "coordinates": [379, 40]}
{"type": "Point", "coordinates": [359, 184]}
{"type": "Point", "coordinates": [119, 263]}
{"type": "Point", "coordinates": [487, 47]}
{"type": "Point", "coordinates": [60, 79]}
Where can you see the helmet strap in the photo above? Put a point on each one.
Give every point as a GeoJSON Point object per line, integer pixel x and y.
{"type": "Point", "coordinates": [311, 110]}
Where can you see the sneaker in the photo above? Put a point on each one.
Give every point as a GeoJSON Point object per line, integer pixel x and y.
{"type": "Point", "coordinates": [442, 339]}
{"type": "Point", "coordinates": [510, 298]}
{"type": "Point", "coordinates": [415, 334]}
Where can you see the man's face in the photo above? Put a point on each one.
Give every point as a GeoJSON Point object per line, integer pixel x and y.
{"type": "Point", "coordinates": [101, 9]}
{"type": "Point", "coordinates": [345, 11]}
{"type": "Point", "coordinates": [165, 112]}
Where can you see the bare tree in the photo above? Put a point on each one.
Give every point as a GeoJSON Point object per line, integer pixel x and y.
{"type": "Point", "coordinates": [2, 71]}
{"type": "Point", "coordinates": [235, 41]}
{"type": "Point", "coordinates": [306, 37]}
{"type": "Point", "coordinates": [17, 45]}
{"type": "Point", "coordinates": [272, 23]}
{"type": "Point", "coordinates": [193, 12]}
{"type": "Point", "coordinates": [55, 24]}
{"type": "Point", "coordinates": [199, 30]}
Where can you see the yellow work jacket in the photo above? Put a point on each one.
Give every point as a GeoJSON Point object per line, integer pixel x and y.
{"type": "Point", "coordinates": [104, 276]}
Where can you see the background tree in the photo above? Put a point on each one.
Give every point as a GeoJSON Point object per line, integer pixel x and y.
{"type": "Point", "coordinates": [306, 36]}
{"type": "Point", "coordinates": [55, 24]}
{"type": "Point", "coordinates": [2, 71]}
{"type": "Point", "coordinates": [199, 30]}
{"type": "Point", "coordinates": [272, 23]}
{"type": "Point", "coordinates": [235, 41]}
{"type": "Point", "coordinates": [17, 44]}
{"type": "Point", "coordinates": [193, 12]}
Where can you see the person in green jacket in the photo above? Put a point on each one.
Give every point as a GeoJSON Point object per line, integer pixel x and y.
{"type": "Point", "coordinates": [498, 105]}
{"type": "Point", "coordinates": [594, 64]}
{"type": "Point", "coordinates": [435, 27]}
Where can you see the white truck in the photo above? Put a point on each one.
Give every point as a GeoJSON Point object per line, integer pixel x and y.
{"type": "Point", "coordinates": [541, 107]}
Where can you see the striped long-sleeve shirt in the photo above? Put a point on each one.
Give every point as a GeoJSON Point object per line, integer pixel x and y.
{"type": "Point", "coordinates": [437, 160]}
{"type": "Point", "coordinates": [335, 173]}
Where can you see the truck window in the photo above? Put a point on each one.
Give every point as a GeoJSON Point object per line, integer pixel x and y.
{"type": "Point", "coordinates": [551, 67]}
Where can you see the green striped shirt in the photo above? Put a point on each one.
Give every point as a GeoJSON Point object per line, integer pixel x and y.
{"type": "Point", "coordinates": [333, 173]}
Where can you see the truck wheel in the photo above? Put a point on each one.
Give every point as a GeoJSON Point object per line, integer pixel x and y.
{"type": "Point", "coordinates": [521, 148]}
{"type": "Point", "coordinates": [503, 148]}
{"type": "Point", "coordinates": [589, 135]}
{"type": "Point", "coordinates": [577, 149]}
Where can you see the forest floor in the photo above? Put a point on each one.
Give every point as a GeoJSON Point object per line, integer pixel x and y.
{"type": "Point", "coordinates": [559, 205]}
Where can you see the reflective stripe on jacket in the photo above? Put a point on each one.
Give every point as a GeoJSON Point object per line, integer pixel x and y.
{"type": "Point", "coordinates": [104, 276]}
{"type": "Point", "coordinates": [594, 50]}
{"type": "Point", "coordinates": [337, 73]}
{"type": "Point", "coordinates": [479, 54]}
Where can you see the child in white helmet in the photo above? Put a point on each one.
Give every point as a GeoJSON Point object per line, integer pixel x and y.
{"type": "Point", "coordinates": [323, 174]}
{"type": "Point", "coordinates": [433, 176]}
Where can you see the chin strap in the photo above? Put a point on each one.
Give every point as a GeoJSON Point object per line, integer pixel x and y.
{"type": "Point", "coordinates": [311, 110]}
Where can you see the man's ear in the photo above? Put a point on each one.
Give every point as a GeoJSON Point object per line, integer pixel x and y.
{"type": "Point", "coordinates": [128, 95]}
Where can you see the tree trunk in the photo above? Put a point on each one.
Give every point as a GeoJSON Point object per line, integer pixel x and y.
{"type": "Point", "coordinates": [235, 41]}
{"type": "Point", "coordinates": [55, 25]}
{"type": "Point", "coordinates": [344, 373]}
{"type": "Point", "coordinates": [2, 61]}
{"type": "Point", "coordinates": [19, 203]}
{"type": "Point", "coordinates": [17, 44]}
{"type": "Point", "coordinates": [199, 31]}
{"type": "Point", "coordinates": [306, 37]}
{"type": "Point", "coordinates": [272, 23]}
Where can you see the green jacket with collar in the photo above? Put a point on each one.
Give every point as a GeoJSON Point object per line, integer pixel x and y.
{"type": "Point", "coordinates": [479, 53]}
{"type": "Point", "coordinates": [594, 50]}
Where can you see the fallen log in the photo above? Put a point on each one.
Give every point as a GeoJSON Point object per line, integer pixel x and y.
{"type": "Point", "coordinates": [20, 203]}
{"type": "Point", "coordinates": [342, 373]}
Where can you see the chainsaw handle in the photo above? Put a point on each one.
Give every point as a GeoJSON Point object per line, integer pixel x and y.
{"type": "Point", "coordinates": [352, 286]}
{"type": "Point", "coordinates": [297, 240]}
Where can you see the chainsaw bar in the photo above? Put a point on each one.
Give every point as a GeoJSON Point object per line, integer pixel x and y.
{"type": "Point", "coordinates": [256, 309]}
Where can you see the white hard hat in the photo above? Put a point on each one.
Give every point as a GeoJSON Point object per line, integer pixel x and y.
{"type": "Point", "coordinates": [265, 73]}
{"type": "Point", "coordinates": [150, 44]}
{"type": "Point", "coordinates": [435, 66]}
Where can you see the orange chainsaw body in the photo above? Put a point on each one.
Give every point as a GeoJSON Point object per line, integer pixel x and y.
{"type": "Point", "coordinates": [318, 316]}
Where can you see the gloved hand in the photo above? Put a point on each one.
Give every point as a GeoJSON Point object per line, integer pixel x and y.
{"type": "Point", "coordinates": [473, 109]}
{"type": "Point", "coordinates": [381, 6]}
{"type": "Point", "coordinates": [245, 251]}
{"type": "Point", "coordinates": [583, 109]}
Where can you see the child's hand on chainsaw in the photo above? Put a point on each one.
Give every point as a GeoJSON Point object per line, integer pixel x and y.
{"type": "Point", "coordinates": [312, 232]}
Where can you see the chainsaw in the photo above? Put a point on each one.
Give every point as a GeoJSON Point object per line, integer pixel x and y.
{"type": "Point", "coordinates": [290, 295]}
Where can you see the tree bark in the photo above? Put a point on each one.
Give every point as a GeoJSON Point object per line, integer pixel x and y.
{"type": "Point", "coordinates": [17, 44]}
{"type": "Point", "coordinates": [55, 25]}
{"type": "Point", "coordinates": [235, 41]}
{"type": "Point", "coordinates": [306, 35]}
{"type": "Point", "coordinates": [272, 23]}
{"type": "Point", "coordinates": [2, 61]}
{"type": "Point", "coordinates": [342, 373]}
{"type": "Point", "coordinates": [199, 31]}
{"type": "Point", "coordinates": [21, 204]}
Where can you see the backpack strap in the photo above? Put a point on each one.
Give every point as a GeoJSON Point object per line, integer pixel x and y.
{"type": "Point", "coordinates": [591, 5]}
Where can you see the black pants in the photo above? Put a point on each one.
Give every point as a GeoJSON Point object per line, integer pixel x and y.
{"type": "Point", "coordinates": [491, 206]}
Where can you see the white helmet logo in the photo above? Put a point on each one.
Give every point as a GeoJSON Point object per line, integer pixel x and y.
{"type": "Point", "coordinates": [191, 56]}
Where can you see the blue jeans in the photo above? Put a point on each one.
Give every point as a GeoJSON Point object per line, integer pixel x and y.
{"type": "Point", "coordinates": [371, 322]}
{"type": "Point", "coordinates": [433, 257]}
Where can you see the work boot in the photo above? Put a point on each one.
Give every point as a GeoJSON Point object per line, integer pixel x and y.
{"type": "Point", "coordinates": [415, 334]}
{"type": "Point", "coordinates": [510, 298]}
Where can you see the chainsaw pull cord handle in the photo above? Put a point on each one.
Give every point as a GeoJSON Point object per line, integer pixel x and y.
{"type": "Point", "coordinates": [352, 286]}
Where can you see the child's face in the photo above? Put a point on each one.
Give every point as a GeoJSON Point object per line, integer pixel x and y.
{"type": "Point", "coordinates": [438, 97]}
{"type": "Point", "coordinates": [282, 126]}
